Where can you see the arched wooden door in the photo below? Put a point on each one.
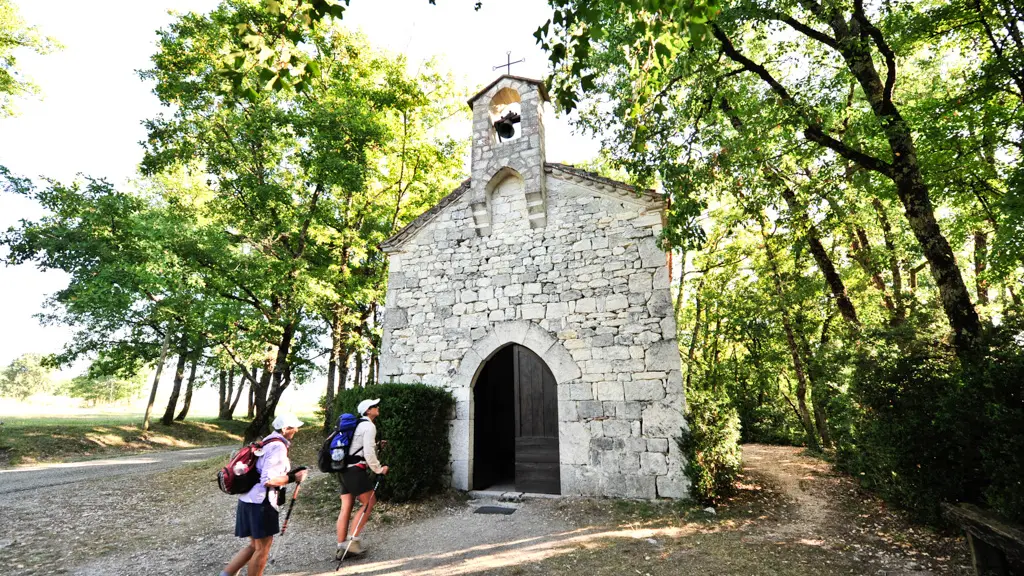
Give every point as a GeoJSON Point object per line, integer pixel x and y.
{"type": "Point", "coordinates": [536, 424]}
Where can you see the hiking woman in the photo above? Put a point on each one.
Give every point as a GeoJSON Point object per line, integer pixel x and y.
{"type": "Point", "coordinates": [256, 517]}
{"type": "Point", "coordinates": [355, 478]}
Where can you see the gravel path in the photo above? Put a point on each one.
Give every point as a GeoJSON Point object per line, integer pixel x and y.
{"type": "Point", "coordinates": [16, 480]}
{"type": "Point", "coordinates": [455, 541]}
{"type": "Point", "coordinates": [178, 524]}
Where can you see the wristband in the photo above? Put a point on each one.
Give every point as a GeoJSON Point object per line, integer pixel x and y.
{"type": "Point", "coordinates": [291, 477]}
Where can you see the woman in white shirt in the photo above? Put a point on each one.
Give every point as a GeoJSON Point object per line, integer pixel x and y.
{"type": "Point", "coordinates": [256, 517]}
{"type": "Point", "coordinates": [355, 479]}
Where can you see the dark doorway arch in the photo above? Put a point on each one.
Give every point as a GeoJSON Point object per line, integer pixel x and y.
{"type": "Point", "coordinates": [515, 438]}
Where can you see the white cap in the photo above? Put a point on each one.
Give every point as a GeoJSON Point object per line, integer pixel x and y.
{"type": "Point", "coordinates": [286, 421]}
{"type": "Point", "coordinates": [366, 405]}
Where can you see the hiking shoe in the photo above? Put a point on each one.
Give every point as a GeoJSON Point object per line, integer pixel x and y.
{"type": "Point", "coordinates": [354, 549]}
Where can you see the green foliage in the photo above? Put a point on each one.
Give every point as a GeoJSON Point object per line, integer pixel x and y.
{"type": "Point", "coordinates": [414, 419]}
{"type": "Point", "coordinates": [24, 376]}
{"type": "Point", "coordinates": [711, 445]}
{"type": "Point", "coordinates": [257, 224]}
{"type": "Point", "coordinates": [936, 427]}
{"type": "Point", "coordinates": [104, 389]}
{"type": "Point", "coordinates": [768, 422]}
{"type": "Point", "coordinates": [265, 51]}
{"type": "Point", "coordinates": [16, 36]}
{"type": "Point", "coordinates": [845, 181]}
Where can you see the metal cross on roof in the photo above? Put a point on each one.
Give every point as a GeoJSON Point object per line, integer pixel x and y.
{"type": "Point", "coordinates": [508, 64]}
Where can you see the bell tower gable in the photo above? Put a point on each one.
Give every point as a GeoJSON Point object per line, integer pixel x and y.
{"type": "Point", "coordinates": [508, 132]}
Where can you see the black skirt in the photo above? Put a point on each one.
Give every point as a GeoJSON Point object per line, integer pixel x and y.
{"type": "Point", "coordinates": [355, 480]}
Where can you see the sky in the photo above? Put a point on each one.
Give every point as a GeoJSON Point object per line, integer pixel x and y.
{"type": "Point", "coordinates": [88, 118]}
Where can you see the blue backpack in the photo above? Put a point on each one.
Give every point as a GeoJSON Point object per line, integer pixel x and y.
{"type": "Point", "coordinates": [334, 455]}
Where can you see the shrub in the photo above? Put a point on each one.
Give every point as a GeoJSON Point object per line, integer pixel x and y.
{"type": "Point", "coordinates": [936, 427]}
{"type": "Point", "coordinates": [711, 445]}
{"type": "Point", "coordinates": [414, 420]}
{"type": "Point", "coordinates": [770, 422]}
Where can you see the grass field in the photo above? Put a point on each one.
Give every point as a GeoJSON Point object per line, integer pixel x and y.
{"type": "Point", "coordinates": [40, 439]}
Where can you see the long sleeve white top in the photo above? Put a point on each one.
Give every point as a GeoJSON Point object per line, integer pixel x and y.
{"type": "Point", "coordinates": [364, 443]}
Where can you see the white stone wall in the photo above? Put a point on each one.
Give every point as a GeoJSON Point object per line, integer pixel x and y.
{"type": "Point", "coordinates": [588, 292]}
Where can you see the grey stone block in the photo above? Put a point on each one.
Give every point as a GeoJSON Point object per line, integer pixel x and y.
{"type": "Point", "coordinates": [662, 355]}
{"type": "Point", "coordinates": [657, 445]}
{"type": "Point", "coordinates": [660, 304]}
{"type": "Point", "coordinates": [590, 409]}
{"type": "Point", "coordinates": [609, 391]}
{"type": "Point", "coordinates": [644, 390]}
{"type": "Point", "coordinates": [653, 463]}
{"type": "Point", "coordinates": [616, 428]}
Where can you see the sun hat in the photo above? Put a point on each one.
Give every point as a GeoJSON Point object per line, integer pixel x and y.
{"type": "Point", "coordinates": [366, 405]}
{"type": "Point", "coordinates": [286, 421]}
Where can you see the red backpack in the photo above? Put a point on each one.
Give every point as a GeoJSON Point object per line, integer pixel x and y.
{"type": "Point", "coordinates": [240, 475]}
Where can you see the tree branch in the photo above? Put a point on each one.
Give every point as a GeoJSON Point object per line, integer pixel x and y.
{"type": "Point", "coordinates": [807, 30]}
{"type": "Point", "coordinates": [883, 47]}
{"type": "Point", "coordinates": [813, 132]}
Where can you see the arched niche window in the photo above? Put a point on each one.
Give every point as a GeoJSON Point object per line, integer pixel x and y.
{"type": "Point", "coordinates": [505, 110]}
{"type": "Point", "coordinates": [506, 203]}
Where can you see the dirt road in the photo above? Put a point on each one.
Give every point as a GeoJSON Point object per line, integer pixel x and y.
{"type": "Point", "coordinates": [15, 480]}
{"type": "Point", "coordinates": [793, 516]}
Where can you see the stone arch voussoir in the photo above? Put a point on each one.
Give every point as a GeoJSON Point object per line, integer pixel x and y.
{"type": "Point", "coordinates": [524, 333]}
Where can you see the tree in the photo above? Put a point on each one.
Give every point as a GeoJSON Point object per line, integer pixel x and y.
{"type": "Point", "coordinates": [105, 389]}
{"type": "Point", "coordinates": [295, 175]}
{"type": "Point", "coordinates": [739, 53]}
{"type": "Point", "coordinates": [24, 376]}
{"type": "Point", "coordinates": [15, 35]}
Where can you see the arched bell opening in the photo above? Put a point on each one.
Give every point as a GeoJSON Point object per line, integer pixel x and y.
{"type": "Point", "coordinates": [515, 431]}
{"type": "Point", "coordinates": [505, 110]}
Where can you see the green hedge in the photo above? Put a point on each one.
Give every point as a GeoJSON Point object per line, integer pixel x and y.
{"type": "Point", "coordinates": [414, 421]}
{"type": "Point", "coordinates": [936, 427]}
{"type": "Point", "coordinates": [711, 445]}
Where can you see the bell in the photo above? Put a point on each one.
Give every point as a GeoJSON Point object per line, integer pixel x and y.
{"type": "Point", "coordinates": [504, 126]}
{"type": "Point", "coordinates": [504, 129]}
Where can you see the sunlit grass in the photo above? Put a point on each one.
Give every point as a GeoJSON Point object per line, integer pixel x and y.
{"type": "Point", "coordinates": [43, 439]}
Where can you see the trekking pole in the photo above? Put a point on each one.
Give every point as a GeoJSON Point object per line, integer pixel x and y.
{"type": "Point", "coordinates": [273, 547]}
{"type": "Point", "coordinates": [358, 520]}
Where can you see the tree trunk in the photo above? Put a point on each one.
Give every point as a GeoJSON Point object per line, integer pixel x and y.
{"type": "Point", "coordinates": [905, 171]}
{"type": "Point", "coordinates": [956, 301]}
{"type": "Point", "coordinates": [980, 263]}
{"type": "Point", "coordinates": [179, 376]}
{"type": "Point", "coordinates": [371, 377]}
{"type": "Point", "coordinates": [714, 350]}
{"type": "Point", "coordinates": [854, 41]}
{"type": "Point", "coordinates": [801, 382]}
{"type": "Point", "coordinates": [271, 385]}
{"type": "Point", "coordinates": [332, 366]}
{"type": "Point", "coordinates": [238, 392]}
{"type": "Point", "coordinates": [818, 388]}
{"type": "Point", "coordinates": [860, 249]}
{"type": "Point", "coordinates": [343, 365]}
{"type": "Point", "coordinates": [223, 395]}
{"type": "Point", "coordinates": [821, 257]}
{"type": "Point", "coordinates": [251, 410]}
{"type": "Point", "coordinates": [359, 369]}
{"type": "Point", "coordinates": [899, 306]}
{"type": "Point", "coordinates": [156, 379]}
{"type": "Point", "coordinates": [679, 292]}
{"type": "Point", "coordinates": [188, 392]}
{"type": "Point", "coordinates": [691, 354]}
{"type": "Point", "coordinates": [794, 350]}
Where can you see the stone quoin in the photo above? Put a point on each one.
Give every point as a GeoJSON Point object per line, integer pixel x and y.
{"type": "Point", "coordinates": [558, 261]}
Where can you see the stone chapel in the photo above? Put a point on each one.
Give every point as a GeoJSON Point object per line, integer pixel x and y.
{"type": "Point", "coordinates": [538, 294]}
